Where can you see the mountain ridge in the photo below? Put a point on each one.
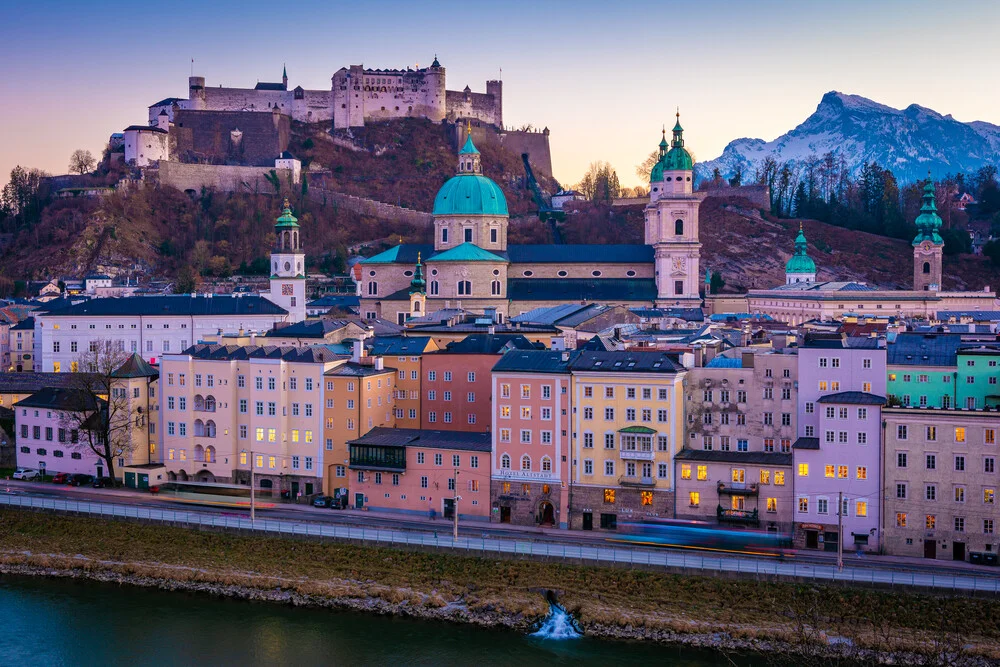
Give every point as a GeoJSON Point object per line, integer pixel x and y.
{"type": "Point", "coordinates": [909, 141]}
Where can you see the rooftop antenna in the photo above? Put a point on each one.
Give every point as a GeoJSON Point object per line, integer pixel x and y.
{"type": "Point", "coordinates": [192, 67]}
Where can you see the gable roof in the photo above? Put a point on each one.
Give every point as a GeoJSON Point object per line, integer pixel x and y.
{"type": "Point", "coordinates": [535, 361]}
{"type": "Point", "coordinates": [466, 252]}
{"type": "Point", "coordinates": [488, 344]}
{"type": "Point", "coordinates": [628, 361]}
{"type": "Point", "coordinates": [135, 367]}
{"type": "Point", "coordinates": [917, 349]}
{"type": "Point", "coordinates": [399, 346]}
{"type": "Point", "coordinates": [308, 329]}
{"type": "Point", "coordinates": [179, 304]}
{"type": "Point", "coordinates": [58, 398]}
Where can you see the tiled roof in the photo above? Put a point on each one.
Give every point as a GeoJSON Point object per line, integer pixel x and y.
{"type": "Point", "coordinates": [581, 289]}
{"type": "Point", "coordinates": [136, 367]}
{"type": "Point", "coordinates": [488, 344]}
{"type": "Point", "coordinates": [414, 437]}
{"type": "Point", "coordinates": [853, 398]}
{"type": "Point", "coordinates": [29, 383]}
{"type": "Point", "coordinates": [535, 361]}
{"type": "Point", "coordinates": [146, 128]}
{"type": "Point", "coordinates": [354, 369]}
{"type": "Point", "coordinates": [54, 398]}
{"type": "Point", "coordinates": [806, 443]}
{"type": "Point", "coordinates": [839, 342]}
{"type": "Point", "coordinates": [169, 100]}
{"type": "Point", "coordinates": [628, 361]}
{"type": "Point", "coordinates": [27, 324]}
{"type": "Point", "coordinates": [405, 253]}
{"type": "Point", "coordinates": [335, 301]}
{"type": "Point", "coordinates": [975, 315]}
{"type": "Point", "coordinates": [917, 349]}
{"type": "Point", "coordinates": [398, 346]}
{"type": "Point", "coordinates": [752, 458]}
{"type": "Point", "coordinates": [688, 314]}
{"type": "Point", "coordinates": [580, 254]}
{"type": "Point", "coordinates": [725, 362]}
{"type": "Point", "coordinates": [466, 252]}
{"type": "Point", "coordinates": [316, 354]}
{"type": "Point", "coordinates": [308, 329]}
{"type": "Point", "coordinates": [173, 305]}
{"type": "Point", "coordinates": [263, 85]}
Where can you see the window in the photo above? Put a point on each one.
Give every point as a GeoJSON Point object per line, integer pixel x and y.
{"type": "Point", "coordinates": [803, 505]}
{"type": "Point", "coordinates": [959, 434]}
{"type": "Point", "coordinates": [989, 464]}
{"type": "Point", "coordinates": [861, 508]}
{"type": "Point", "coordinates": [702, 473]}
{"type": "Point", "coordinates": [989, 495]}
{"type": "Point", "coordinates": [959, 463]}
{"type": "Point", "coordinates": [803, 470]}
{"type": "Point", "coordinates": [901, 490]}
{"type": "Point", "coordinates": [901, 431]}
{"type": "Point", "coordinates": [609, 468]}
{"type": "Point", "coordinates": [861, 472]}
{"type": "Point", "coordinates": [779, 477]}
{"type": "Point", "coordinates": [959, 524]}
{"type": "Point", "coordinates": [588, 467]}
{"type": "Point", "coordinates": [900, 519]}
{"type": "Point", "coordinates": [694, 498]}
{"type": "Point", "coordinates": [900, 459]}
{"type": "Point", "coordinates": [930, 492]}
{"type": "Point", "coordinates": [959, 494]}
{"type": "Point", "coordinates": [438, 459]}
{"type": "Point", "coordinates": [988, 526]}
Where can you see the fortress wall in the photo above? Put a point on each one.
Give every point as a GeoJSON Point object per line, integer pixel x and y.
{"type": "Point", "coordinates": [223, 178]}
{"type": "Point", "coordinates": [370, 207]}
{"type": "Point", "coordinates": [756, 194]}
{"type": "Point", "coordinates": [535, 144]}
{"type": "Point", "coordinates": [199, 136]}
{"type": "Point", "coordinates": [480, 106]}
{"type": "Point", "coordinates": [246, 99]}
{"type": "Point", "coordinates": [315, 106]}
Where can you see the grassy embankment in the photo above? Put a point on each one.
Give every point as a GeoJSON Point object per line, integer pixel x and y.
{"type": "Point", "coordinates": [608, 601]}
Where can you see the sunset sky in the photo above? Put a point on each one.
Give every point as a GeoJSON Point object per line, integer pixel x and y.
{"type": "Point", "coordinates": [602, 76]}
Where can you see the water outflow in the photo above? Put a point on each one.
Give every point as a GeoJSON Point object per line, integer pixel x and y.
{"type": "Point", "coordinates": [557, 625]}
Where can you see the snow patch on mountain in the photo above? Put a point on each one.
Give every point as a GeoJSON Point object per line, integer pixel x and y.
{"type": "Point", "coordinates": [909, 141]}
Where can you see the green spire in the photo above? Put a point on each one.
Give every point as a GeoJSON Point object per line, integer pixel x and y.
{"type": "Point", "coordinates": [663, 142]}
{"type": "Point", "coordinates": [928, 222]}
{"type": "Point", "coordinates": [678, 140]}
{"type": "Point", "coordinates": [287, 219]}
{"type": "Point", "coordinates": [801, 262]}
{"type": "Point", "coordinates": [284, 71]}
{"type": "Point", "coordinates": [418, 285]}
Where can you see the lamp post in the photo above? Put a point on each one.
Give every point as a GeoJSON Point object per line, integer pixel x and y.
{"type": "Point", "coordinates": [454, 508]}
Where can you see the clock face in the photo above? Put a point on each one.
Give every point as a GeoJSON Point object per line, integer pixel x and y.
{"type": "Point", "coordinates": [287, 290]}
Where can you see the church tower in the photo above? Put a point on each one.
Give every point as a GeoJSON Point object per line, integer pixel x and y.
{"type": "Point", "coordinates": [672, 223]}
{"type": "Point", "coordinates": [288, 267]}
{"type": "Point", "coordinates": [800, 268]}
{"type": "Point", "coordinates": [418, 291]}
{"type": "Point", "coordinates": [928, 246]}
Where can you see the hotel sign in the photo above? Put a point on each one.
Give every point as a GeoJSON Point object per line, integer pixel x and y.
{"type": "Point", "coordinates": [524, 474]}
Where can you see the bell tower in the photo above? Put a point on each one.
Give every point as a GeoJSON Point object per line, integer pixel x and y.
{"type": "Point", "coordinates": [928, 246]}
{"type": "Point", "coordinates": [672, 224]}
{"type": "Point", "coordinates": [288, 267]}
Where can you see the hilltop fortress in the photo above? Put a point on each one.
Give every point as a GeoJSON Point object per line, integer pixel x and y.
{"type": "Point", "coordinates": [357, 95]}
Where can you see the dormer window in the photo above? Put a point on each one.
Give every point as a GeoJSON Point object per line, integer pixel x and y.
{"type": "Point", "coordinates": [468, 235]}
{"type": "Point", "coordinates": [444, 235]}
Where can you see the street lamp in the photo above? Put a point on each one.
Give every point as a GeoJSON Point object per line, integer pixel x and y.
{"type": "Point", "coordinates": [455, 508]}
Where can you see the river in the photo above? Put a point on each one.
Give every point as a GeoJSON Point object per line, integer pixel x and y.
{"type": "Point", "coordinates": [55, 622]}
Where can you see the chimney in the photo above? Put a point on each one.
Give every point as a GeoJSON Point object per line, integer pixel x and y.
{"type": "Point", "coordinates": [565, 355]}
{"type": "Point", "coordinates": [253, 337]}
{"type": "Point", "coordinates": [492, 330]}
{"type": "Point", "coordinates": [357, 351]}
{"type": "Point", "coordinates": [379, 363]}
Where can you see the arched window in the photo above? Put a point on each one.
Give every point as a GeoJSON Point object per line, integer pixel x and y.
{"type": "Point", "coordinates": [416, 306]}
{"type": "Point", "coordinates": [927, 267]}
{"type": "Point", "coordinates": [679, 227]}
{"type": "Point", "coordinates": [199, 402]}
{"type": "Point", "coordinates": [525, 462]}
{"type": "Point", "coordinates": [434, 287]}
{"type": "Point", "coordinates": [199, 453]}
{"type": "Point", "coordinates": [464, 287]}
{"type": "Point", "coordinates": [210, 454]}
{"type": "Point", "coordinates": [210, 404]}
{"type": "Point", "coordinates": [505, 462]}
{"type": "Point", "coordinates": [199, 428]}
{"type": "Point", "coordinates": [372, 288]}
{"type": "Point", "coordinates": [546, 464]}
{"type": "Point", "coordinates": [209, 429]}
{"type": "Point", "coordinates": [495, 288]}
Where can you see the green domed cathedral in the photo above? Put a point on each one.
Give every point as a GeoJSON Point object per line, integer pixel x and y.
{"type": "Point", "coordinates": [471, 266]}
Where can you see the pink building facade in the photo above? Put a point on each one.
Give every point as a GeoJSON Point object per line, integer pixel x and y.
{"type": "Point", "coordinates": [419, 471]}
{"type": "Point", "coordinates": [531, 438]}
{"type": "Point", "coordinates": [48, 442]}
{"type": "Point", "coordinates": [837, 456]}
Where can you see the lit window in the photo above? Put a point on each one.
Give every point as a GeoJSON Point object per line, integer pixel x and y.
{"type": "Point", "coordinates": [647, 497]}
{"type": "Point", "coordinates": [685, 471]}
{"type": "Point", "coordinates": [694, 498]}
{"type": "Point", "coordinates": [702, 473]}
{"type": "Point", "coordinates": [959, 434]}
{"type": "Point", "coordinates": [609, 496]}
{"type": "Point", "coordinates": [803, 470]}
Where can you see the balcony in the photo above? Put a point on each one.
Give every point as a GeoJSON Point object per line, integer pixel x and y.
{"type": "Point", "coordinates": [738, 489]}
{"type": "Point", "coordinates": [378, 457]}
{"type": "Point", "coordinates": [640, 482]}
{"type": "Point", "coordinates": [635, 455]}
{"type": "Point", "coordinates": [739, 517]}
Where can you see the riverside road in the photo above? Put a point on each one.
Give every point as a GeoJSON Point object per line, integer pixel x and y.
{"type": "Point", "coordinates": [484, 538]}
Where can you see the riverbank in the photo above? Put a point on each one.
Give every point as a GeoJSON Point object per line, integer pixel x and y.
{"type": "Point", "coordinates": [774, 619]}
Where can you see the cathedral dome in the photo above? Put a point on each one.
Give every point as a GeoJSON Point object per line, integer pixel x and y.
{"type": "Point", "coordinates": [470, 194]}
{"type": "Point", "coordinates": [676, 159]}
{"type": "Point", "coordinates": [800, 261]}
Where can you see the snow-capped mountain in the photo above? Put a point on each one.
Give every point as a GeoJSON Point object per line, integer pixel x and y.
{"type": "Point", "coordinates": [908, 141]}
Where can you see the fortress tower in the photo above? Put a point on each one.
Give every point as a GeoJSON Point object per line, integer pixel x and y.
{"type": "Point", "coordinates": [928, 246]}
{"type": "Point", "coordinates": [288, 267]}
{"type": "Point", "coordinates": [672, 223]}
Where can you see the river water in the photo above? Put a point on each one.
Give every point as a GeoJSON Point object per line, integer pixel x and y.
{"type": "Point", "coordinates": [56, 622]}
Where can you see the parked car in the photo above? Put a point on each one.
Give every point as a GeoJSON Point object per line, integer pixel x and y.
{"type": "Point", "coordinates": [61, 478]}
{"type": "Point", "coordinates": [26, 474]}
{"type": "Point", "coordinates": [80, 479]}
{"type": "Point", "coordinates": [322, 501]}
{"type": "Point", "coordinates": [339, 501]}
{"type": "Point", "coordinates": [104, 483]}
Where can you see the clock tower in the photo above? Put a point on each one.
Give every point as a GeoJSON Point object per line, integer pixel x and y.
{"type": "Point", "coordinates": [928, 246]}
{"type": "Point", "coordinates": [672, 224]}
{"type": "Point", "coordinates": [288, 267]}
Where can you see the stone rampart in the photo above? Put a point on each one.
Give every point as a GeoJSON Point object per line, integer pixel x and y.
{"type": "Point", "coordinates": [371, 208]}
{"type": "Point", "coordinates": [223, 178]}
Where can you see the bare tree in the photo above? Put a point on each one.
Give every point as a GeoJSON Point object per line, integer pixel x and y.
{"type": "Point", "coordinates": [81, 162]}
{"type": "Point", "coordinates": [644, 169]}
{"type": "Point", "coordinates": [600, 183]}
{"type": "Point", "coordinates": [107, 413]}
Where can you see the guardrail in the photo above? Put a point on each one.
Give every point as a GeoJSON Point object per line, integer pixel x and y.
{"type": "Point", "coordinates": [537, 548]}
